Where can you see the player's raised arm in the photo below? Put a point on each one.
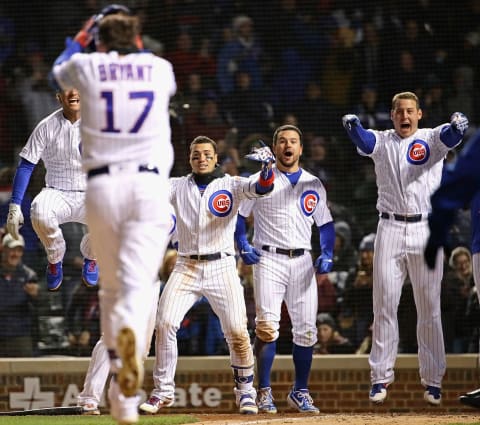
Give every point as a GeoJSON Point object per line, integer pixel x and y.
{"type": "Point", "coordinates": [264, 155]}
{"type": "Point", "coordinates": [363, 139]}
{"type": "Point", "coordinates": [453, 133]}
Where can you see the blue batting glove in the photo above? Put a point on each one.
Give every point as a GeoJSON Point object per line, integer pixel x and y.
{"type": "Point", "coordinates": [349, 121]}
{"type": "Point", "coordinates": [459, 122]}
{"type": "Point", "coordinates": [249, 254]}
{"type": "Point", "coordinates": [323, 264]}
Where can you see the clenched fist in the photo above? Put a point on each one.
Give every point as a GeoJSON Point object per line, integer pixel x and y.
{"type": "Point", "coordinates": [349, 121]}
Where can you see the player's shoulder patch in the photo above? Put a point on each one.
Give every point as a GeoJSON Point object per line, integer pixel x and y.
{"type": "Point", "coordinates": [418, 152]}
{"type": "Point", "coordinates": [220, 203]}
{"type": "Point", "coordinates": [309, 201]}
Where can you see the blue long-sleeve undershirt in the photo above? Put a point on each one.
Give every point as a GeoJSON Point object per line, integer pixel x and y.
{"type": "Point", "coordinates": [327, 239]}
{"type": "Point", "coordinates": [21, 180]}
{"type": "Point", "coordinates": [363, 139]}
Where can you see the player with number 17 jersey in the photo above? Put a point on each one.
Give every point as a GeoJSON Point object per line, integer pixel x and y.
{"type": "Point", "coordinates": [122, 96]}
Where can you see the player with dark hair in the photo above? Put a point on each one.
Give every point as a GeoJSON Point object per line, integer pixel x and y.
{"type": "Point", "coordinates": [56, 141]}
{"type": "Point", "coordinates": [283, 269]}
{"type": "Point", "coordinates": [127, 154]}
{"type": "Point", "coordinates": [408, 166]}
{"type": "Point", "coordinates": [205, 203]}
{"type": "Point", "coordinates": [460, 186]}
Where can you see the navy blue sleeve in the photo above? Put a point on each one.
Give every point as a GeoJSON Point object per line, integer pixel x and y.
{"type": "Point", "coordinates": [241, 231]}
{"type": "Point", "coordinates": [363, 139]}
{"type": "Point", "coordinates": [327, 239]}
{"type": "Point", "coordinates": [449, 136]}
{"type": "Point", "coordinates": [21, 180]}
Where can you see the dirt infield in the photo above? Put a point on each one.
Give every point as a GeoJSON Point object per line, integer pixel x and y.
{"type": "Point", "coordinates": [341, 418]}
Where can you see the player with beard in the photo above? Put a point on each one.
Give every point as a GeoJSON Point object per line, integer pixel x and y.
{"type": "Point", "coordinates": [283, 269]}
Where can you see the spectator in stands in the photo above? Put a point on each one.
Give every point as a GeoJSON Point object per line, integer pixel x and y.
{"type": "Point", "coordinates": [207, 121]}
{"type": "Point", "coordinates": [330, 341]}
{"type": "Point", "coordinates": [242, 53]}
{"type": "Point", "coordinates": [435, 105]}
{"type": "Point", "coordinates": [317, 160]}
{"type": "Point", "coordinates": [315, 114]}
{"type": "Point", "coordinates": [19, 290]}
{"type": "Point", "coordinates": [457, 290]}
{"type": "Point", "coordinates": [245, 107]}
{"type": "Point", "coordinates": [184, 58]}
{"type": "Point", "coordinates": [331, 287]}
{"type": "Point", "coordinates": [370, 67]}
{"type": "Point", "coordinates": [358, 301]}
{"type": "Point", "coordinates": [371, 111]}
{"type": "Point", "coordinates": [83, 321]}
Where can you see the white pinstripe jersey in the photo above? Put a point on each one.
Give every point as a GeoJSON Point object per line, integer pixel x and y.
{"type": "Point", "coordinates": [408, 170]}
{"type": "Point", "coordinates": [206, 223]}
{"type": "Point", "coordinates": [285, 218]}
{"type": "Point", "coordinates": [56, 141]}
{"type": "Point", "coordinates": [125, 103]}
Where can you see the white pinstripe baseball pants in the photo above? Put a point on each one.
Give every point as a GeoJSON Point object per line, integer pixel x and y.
{"type": "Point", "coordinates": [52, 207]}
{"type": "Point", "coordinates": [399, 250]}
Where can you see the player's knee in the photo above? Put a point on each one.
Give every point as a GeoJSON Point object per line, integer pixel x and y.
{"type": "Point", "coordinates": [266, 331]}
{"type": "Point", "coordinates": [305, 339]}
{"type": "Point", "coordinates": [239, 342]}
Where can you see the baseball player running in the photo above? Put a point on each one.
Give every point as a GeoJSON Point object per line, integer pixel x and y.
{"type": "Point", "coordinates": [460, 186]}
{"type": "Point", "coordinates": [206, 202]}
{"type": "Point", "coordinates": [127, 154]}
{"type": "Point", "coordinates": [408, 166]}
{"type": "Point", "coordinates": [56, 141]}
{"type": "Point", "coordinates": [283, 269]}
{"type": "Point", "coordinates": [99, 366]}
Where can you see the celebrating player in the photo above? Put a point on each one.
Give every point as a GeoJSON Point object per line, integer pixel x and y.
{"type": "Point", "coordinates": [55, 140]}
{"type": "Point", "coordinates": [283, 268]}
{"type": "Point", "coordinates": [460, 186]}
{"type": "Point", "coordinates": [127, 153]}
{"type": "Point", "coordinates": [206, 202]}
{"type": "Point", "coordinates": [408, 166]}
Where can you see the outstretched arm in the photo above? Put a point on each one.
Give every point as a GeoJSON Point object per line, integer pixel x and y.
{"type": "Point", "coordinates": [363, 139]}
{"type": "Point", "coordinates": [453, 133]}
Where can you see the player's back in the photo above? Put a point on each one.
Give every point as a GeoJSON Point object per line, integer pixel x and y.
{"type": "Point", "coordinates": [125, 102]}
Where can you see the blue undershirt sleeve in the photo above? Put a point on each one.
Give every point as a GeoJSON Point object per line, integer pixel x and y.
{"type": "Point", "coordinates": [449, 136]}
{"type": "Point", "coordinates": [21, 180]}
{"type": "Point", "coordinates": [327, 239]}
{"type": "Point", "coordinates": [363, 139]}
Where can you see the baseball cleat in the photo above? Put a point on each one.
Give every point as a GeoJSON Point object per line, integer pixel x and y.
{"type": "Point", "coordinates": [471, 399]}
{"type": "Point", "coordinates": [54, 276]}
{"type": "Point", "coordinates": [122, 409]}
{"type": "Point", "coordinates": [302, 401]}
{"type": "Point", "coordinates": [90, 273]}
{"type": "Point", "coordinates": [245, 400]}
{"type": "Point", "coordinates": [433, 395]}
{"type": "Point", "coordinates": [378, 393]}
{"type": "Point", "coordinates": [90, 409]}
{"type": "Point", "coordinates": [154, 404]}
{"type": "Point", "coordinates": [265, 401]}
{"type": "Point", "coordinates": [130, 375]}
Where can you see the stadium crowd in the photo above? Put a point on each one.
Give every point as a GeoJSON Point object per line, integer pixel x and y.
{"type": "Point", "coordinates": [242, 69]}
